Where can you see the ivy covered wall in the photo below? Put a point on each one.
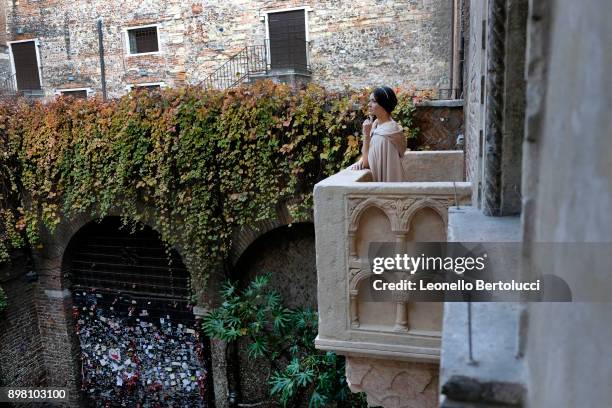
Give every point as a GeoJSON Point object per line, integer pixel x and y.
{"type": "Point", "coordinates": [205, 163]}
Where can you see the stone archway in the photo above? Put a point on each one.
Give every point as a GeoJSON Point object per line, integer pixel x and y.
{"type": "Point", "coordinates": [55, 301]}
{"type": "Point", "coordinates": [139, 340]}
{"type": "Point", "coordinates": [288, 253]}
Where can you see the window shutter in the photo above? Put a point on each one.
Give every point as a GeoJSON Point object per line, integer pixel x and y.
{"type": "Point", "coordinates": [26, 65]}
{"type": "Point", "coordinates": [288, 40]}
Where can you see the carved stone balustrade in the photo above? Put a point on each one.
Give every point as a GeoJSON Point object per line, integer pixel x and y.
{"type": "Point", "coordinates": [392, 348]}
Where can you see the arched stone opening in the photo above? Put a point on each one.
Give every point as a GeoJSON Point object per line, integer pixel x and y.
{"type": "Point", "coordinates": [134, 332]}
{"type": "Point", "coordinates": [288, 253]}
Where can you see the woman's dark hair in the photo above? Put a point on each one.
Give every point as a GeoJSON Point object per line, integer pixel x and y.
{"type": "Point", "coordinates": [386, 98]}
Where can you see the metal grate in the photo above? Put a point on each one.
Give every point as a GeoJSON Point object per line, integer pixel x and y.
{"type": "Point", "coordinates": [143, 40]}
{"type": "Point", "coordinates": [107, 258]}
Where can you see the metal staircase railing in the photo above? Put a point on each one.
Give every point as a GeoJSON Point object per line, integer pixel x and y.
{"type": "Point", "coordinates": [7, 87]}
{"type": "Point", "coordinates": [250, 61]}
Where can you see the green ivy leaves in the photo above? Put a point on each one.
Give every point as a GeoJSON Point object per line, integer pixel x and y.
{"type": "Point", "coordinates": [197, 164]}
{"type": "Point", "coordinates": [281, 335]}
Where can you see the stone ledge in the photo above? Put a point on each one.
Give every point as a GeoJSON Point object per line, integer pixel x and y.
{"type": "Point", "coordinates": [443, 103]}
{"type": "Point", "coordinates": [379, 350]}
{"type": "Point", "coordinates": [494, 342]}
{"type": "Point", "coordinates": [434, 165]}
{"type": "Point", "coordinates": [495, 326]}
{"type": "Point", "coordinates": [469, 224]}
{"type": "Point", "coordinates": [466, 389]}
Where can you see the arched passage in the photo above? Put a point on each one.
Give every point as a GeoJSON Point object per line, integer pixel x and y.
{"type": "Point", "coordinates": [139, 342]}
{"type": "Point", "coordinates": [288, 253]}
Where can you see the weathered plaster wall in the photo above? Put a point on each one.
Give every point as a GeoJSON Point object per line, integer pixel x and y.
{"type": "Point", "coordinates": [570, 162]}
{"type": "Point", "coordinates": [357, 43]}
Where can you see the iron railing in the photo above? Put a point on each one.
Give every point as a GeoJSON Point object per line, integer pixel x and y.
{"type": "Point", "coordinates": [255, 61]}
{"type": "Point", "coordinates": [7, 87]}
{"type": "Point", "coordinates": [251, 60]}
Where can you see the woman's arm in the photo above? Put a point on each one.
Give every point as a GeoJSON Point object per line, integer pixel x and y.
{"type": "Point", "coordinates": [365, 148]}
{"type": "Point", "coordinates": [367, 136]}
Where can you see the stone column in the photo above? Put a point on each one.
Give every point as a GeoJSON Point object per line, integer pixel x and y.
{"type": "Point", "coordinates": [496, 40]}
{"type": "Point", "coordinates": [354, 308]}
{"type": "Point", "coordinates": [60, 346]}
{"type": "Point", "coordinates": [401, 317]}
{"type": "Point", "coordinates": [218, 351]}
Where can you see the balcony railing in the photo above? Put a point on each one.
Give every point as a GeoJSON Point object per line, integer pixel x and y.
{"type": "Point", "coordinates": [249, 61]}
{"type": "Point", "coordinates": [7, 87]}
{"type": "Point", "coordinates": [254, 62]}
{"type": "Point", "coordinates": [351, 212]}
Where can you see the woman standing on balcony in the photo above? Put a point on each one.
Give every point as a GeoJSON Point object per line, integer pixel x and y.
{"type": "Point", "coordinates": [384, 142]}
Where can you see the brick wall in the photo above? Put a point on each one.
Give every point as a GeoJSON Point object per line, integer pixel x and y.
{"type": "Point", "coordinates": [360, 43]}
{"type": "Point", "coordinates": [21, 360]}
{"type": "Point", "coordinates": [438, 126]}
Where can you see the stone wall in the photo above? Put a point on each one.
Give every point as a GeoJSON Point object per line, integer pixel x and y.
{"type": "Point", "coordinates": [438, 165]}
{"type": "Point", "coordinates": [474, 113]}
{"type": "Point", "coordinates": [21, 358]}
{"type": "Point", "coordinates": [4, 56]}
{"type": "Point", "coordinates": [495, 105]}
{"type": "Point", "coordinates": [567, 181]}
{"type": "Point", "coordinates": [439, 123]}
{"type": "Point", "coordinates": [355, 43]}
{"type": "Point", "coordinates": [566, 189]}
{"type": "Point", "coordinates": [38, 346]}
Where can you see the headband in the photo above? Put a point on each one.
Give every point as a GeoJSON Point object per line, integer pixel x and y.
{"type": "Point", "coordinates": [385, 91]}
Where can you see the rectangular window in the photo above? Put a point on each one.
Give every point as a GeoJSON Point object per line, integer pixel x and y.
{"type": "Point", "coordinates": [25, 63]}
{"type": "Point", "coordinates": [143, 40]}
{"type": "Point", "coordinates": [149, 86]}
{"type": "Point", "coordinates": [287, 32]}
{"type": "Point", "coordinates": [77, 94]}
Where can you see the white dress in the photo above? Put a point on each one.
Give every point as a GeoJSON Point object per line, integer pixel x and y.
{"type": "Point", "coordinates": [387, 148]}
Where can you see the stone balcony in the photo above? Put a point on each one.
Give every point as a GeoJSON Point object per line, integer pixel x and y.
{"type": "Point", "coordinates": [392, 348]}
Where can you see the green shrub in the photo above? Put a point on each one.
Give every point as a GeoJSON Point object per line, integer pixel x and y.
{"type": "Point", "coordinates": [205, 162]}
{"type": "Point", "coordinates": [285, 337]}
